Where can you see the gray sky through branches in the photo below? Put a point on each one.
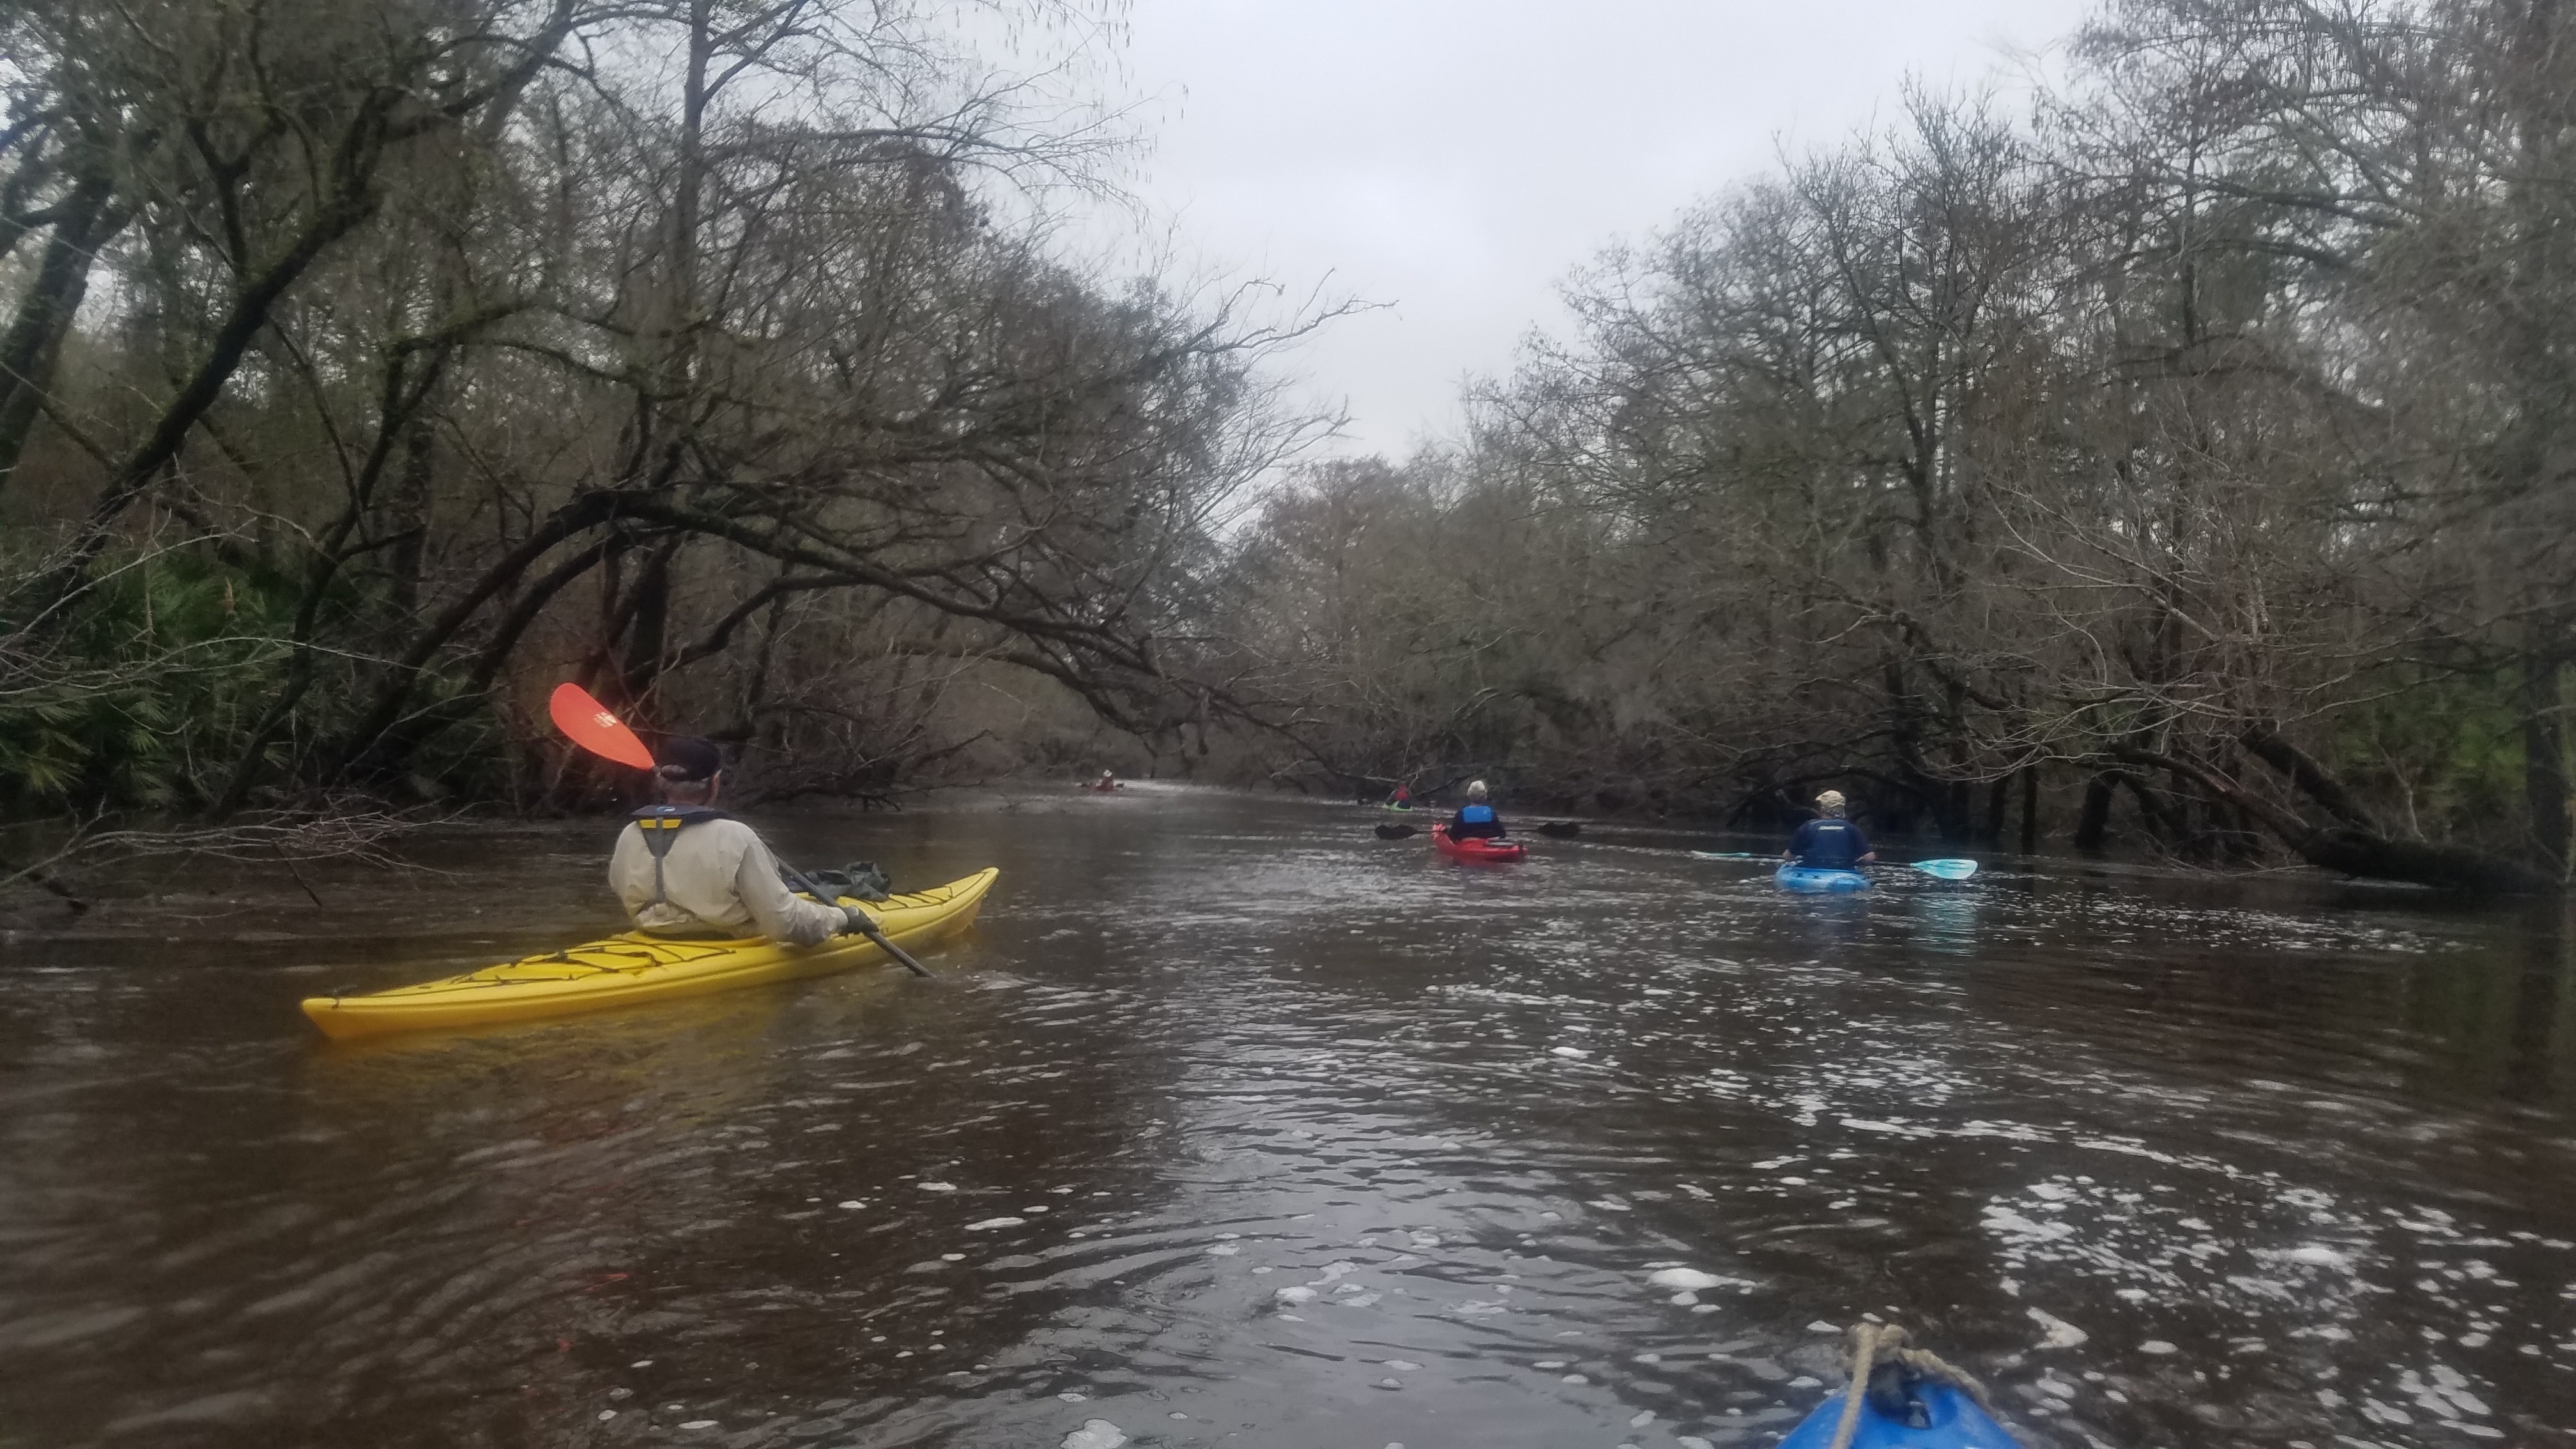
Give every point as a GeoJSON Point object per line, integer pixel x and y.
{"type": "Point", "coordinates": [1454, 158]}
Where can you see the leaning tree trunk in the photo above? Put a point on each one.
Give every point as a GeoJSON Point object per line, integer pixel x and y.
{"type": "Point", "coordinates": [2353, 844]}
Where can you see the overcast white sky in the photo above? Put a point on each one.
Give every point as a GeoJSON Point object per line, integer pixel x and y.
{"type": "Point", "coordinates": [1456, 158]}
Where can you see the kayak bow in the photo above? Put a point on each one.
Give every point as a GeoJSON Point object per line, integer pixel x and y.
{"type": "Point", "coordinates": [1952, 1421]}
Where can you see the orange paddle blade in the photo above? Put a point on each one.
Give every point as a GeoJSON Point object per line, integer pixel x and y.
{"type": "Point", "coordinates": [587, 723]}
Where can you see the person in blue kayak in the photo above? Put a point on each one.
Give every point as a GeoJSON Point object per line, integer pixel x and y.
{"type": "Point", "coordinates": [1829, 842]}
{"type": "Point", "coordinates": [686, 869]}
{"type": "Point", "coordinates": [1476, 819]}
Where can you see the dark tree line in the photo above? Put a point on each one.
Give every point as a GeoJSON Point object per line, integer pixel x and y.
{"type": "Point", "coordinates": [2191, 463]}
{"type": "Point", "coordinates": [2188, 463]}
{"type": "Point", "coordinates": [367, 367]}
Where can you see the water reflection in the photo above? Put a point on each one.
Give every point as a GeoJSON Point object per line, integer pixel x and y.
{"type": "Point", "coordinates": [1234, 1124]}
{"type": "Point", "coordinates": [1945, 920]}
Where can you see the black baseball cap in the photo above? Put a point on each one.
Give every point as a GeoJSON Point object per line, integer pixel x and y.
{"type": "Point", "coordinates": [686, 757]}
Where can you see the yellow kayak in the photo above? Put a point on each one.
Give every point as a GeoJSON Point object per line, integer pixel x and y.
{"type": "Point", "coordinates": [633, 967]}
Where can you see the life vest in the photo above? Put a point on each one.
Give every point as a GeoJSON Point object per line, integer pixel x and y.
{"type": "Point", "coordinates": [661, 826]}
{"type": "Point", "coordinates": [1476, 815]}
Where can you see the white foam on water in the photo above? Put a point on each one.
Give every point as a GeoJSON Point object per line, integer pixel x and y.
{"type": "Point", "coordinates": [995, 1223]}
{"type": "Point", "coordinates": [2061, 1334]}
{"type": "Point", "coordinates": [1296, 1295]}
{"type": "Point", "coordinates": [1095, 1434]}
{"type": "Point", "coordinates": [1685, 1279]}
{"type": "Point", "coordinates": [937, 1186]}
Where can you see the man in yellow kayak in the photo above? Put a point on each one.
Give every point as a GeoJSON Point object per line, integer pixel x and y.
{"type": "Point", "coordinates": [685, 868]}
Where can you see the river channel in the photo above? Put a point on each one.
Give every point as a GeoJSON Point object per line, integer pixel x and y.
{"type": "Point", "coordinates": [1232, 1124]}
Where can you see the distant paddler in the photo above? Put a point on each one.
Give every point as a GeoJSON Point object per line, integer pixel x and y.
{"type": "Point", "coordinates": [685, 869]}
{"type": "Point", "coordinates": [1829, 842]}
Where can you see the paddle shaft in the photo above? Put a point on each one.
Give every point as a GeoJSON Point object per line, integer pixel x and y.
{"type": "Point", "coordinates": [1948, 870]}
{"type": "Point", "coordinates": [868, 928]}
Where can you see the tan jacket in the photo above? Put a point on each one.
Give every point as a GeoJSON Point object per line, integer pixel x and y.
{"type": "Point", "coordinates": [719, 877]}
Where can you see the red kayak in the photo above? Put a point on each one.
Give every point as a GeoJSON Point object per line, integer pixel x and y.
{"type": "Point", "coordinates": [1496, 851]}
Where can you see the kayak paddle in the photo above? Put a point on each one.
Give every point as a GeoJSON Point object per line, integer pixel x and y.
{"type": "Point", "coordinates": [1399, 832]}
{"type": "Point", "coordinates": [1937, 869]}
{"type": "Point", "coordinates": [593, 726]}
{"type": "Point", "coordinates": [588, 723]}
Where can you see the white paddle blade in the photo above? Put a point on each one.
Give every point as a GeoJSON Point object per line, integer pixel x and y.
{"type": "Point", "coordinates": [1947, 869]}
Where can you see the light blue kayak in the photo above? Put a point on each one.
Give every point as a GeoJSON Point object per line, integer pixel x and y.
{"type": "Point", "coordinates": [1807, 880]}
{"type": "Point", "coordinates": [1953, 1422]}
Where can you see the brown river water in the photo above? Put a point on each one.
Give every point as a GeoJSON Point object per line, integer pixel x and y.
{"type": "Point", "coordinates": [1232, 1124]}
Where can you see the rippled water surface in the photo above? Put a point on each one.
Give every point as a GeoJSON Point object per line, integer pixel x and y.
{"type": "Point", "coordinates": [1232, 1124]}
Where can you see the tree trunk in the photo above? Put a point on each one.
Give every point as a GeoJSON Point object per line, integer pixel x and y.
{"type": "Point", "coordinates": [648, 631]}
{"type": "Point", "coordinates": [2095, 821]}
{"type": "Point", "coordinates": [33, 343]}
{"type": "Point", "coordinates": [2544, 752]}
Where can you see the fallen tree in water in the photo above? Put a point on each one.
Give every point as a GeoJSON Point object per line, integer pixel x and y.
{"type": "Point", "coordinates": [2352, 842]}
{"type": "Point", "coordinates": [341, 831]}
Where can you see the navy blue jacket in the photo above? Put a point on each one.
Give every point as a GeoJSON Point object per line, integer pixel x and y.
{"type": "Point", "coordinates": [1829, 844]}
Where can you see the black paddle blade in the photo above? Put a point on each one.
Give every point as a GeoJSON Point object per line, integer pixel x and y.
{"type": "Point", "coordinates": [1394, 832]}
{"type": "Point", "coordinates": [1561, 829]}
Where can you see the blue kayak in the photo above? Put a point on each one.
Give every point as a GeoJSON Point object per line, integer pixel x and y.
{"type": "Point", "coordinates": [1953, 1422]}
{"type": "Point", "coordinates": [1807, 880]}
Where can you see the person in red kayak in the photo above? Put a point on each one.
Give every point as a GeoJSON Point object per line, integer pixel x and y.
{"type": "Point", "coordinates": [686, 869]}
{"type": "Point", "coordinates": [1476, 819]}
{"type": "Point", "coordinates": [1829, 842]}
